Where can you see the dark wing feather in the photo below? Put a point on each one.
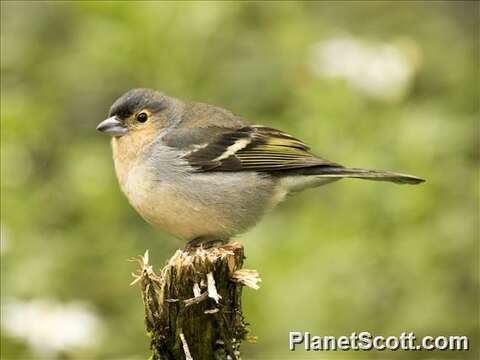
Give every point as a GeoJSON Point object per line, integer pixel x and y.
{"type": "Point", "coordinates": [254, 148]}
{"type": "Point", "coordinates": [258, 148]}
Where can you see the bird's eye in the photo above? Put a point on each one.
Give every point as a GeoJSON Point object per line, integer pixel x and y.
{"type": "Point", "coordinates": [142, 117]}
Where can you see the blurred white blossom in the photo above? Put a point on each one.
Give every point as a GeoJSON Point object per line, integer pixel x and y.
{"type": "Point", "coordinates": [50, 327]}
{"type": "Point", "coordinates": [377, 69]}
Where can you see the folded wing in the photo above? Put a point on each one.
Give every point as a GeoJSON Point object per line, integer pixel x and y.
{"type": "Point", "coordinates": [255, 148]}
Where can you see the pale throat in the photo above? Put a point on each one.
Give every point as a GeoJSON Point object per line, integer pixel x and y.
{"type": "Point", "coordinates": [128, 149]}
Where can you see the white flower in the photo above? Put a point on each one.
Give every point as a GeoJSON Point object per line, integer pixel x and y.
{"type": "Point", "coordinates": [49, 327]}
{"type": "Point", "coordinates": [379, 70]}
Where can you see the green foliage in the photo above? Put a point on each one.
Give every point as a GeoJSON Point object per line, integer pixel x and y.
{"type": "Point", "coordinates": [349, 257]}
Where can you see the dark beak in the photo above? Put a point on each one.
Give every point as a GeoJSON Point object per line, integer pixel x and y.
{"type": "Point", "coordinates": [112, 126]}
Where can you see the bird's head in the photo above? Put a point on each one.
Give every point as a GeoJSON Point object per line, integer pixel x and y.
{"type": "Point", "coordinates": [137, 110]}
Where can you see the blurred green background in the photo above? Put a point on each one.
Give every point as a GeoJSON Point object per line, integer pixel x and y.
{"type": "Point", "coordinates": [373, 84]}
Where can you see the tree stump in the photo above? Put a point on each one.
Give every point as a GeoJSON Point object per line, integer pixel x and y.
{"type": "Point", "coordinates": [193, 309]}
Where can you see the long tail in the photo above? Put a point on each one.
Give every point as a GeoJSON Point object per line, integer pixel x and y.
{"type": "Point", "coordinates": [378, 175]}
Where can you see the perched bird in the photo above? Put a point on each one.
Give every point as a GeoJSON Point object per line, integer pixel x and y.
{"type": "Point", "coordinates": [204, 174]}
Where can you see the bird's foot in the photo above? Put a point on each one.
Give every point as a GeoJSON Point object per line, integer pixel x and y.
{"type": "Point", "coordinates": [203, 243]}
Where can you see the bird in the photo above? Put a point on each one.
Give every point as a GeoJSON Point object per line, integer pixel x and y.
{"type": "Point", "coordinates": [204, 174]}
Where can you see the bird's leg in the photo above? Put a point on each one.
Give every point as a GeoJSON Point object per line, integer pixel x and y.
{"type": "Point", "coordinates": [203, 242]}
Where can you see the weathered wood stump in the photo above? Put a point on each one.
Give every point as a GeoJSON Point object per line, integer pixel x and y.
{"type": "Point", "coordinates": [193, 309]}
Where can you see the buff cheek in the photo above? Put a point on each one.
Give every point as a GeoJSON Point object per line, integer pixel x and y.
{"type": "Point", "coordinates": [128, 149]}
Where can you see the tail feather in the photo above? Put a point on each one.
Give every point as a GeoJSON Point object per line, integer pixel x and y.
{"type": "Point", "coordinates": [378, 175]}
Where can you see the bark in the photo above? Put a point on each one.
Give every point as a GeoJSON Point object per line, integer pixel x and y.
{"type": "Point", "coordinates": [193, 309]}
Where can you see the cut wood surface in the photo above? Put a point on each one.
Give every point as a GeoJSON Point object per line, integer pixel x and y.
{"type": "Point", "coordinates": [193, 308]}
